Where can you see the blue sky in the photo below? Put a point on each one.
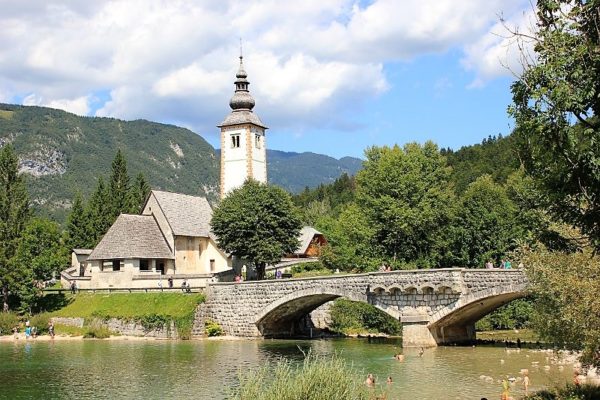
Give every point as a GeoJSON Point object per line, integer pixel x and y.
{"type": "Point", "coordinates": [328, 76]}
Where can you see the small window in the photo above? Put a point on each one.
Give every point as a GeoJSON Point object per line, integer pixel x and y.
{"type": "Point", "coordinates": [212, 265]}
{"type": "Point", "coordinates": [257, 141]}
{"type": "Point", "coordinates": [235, 141]}
{"type": "Point", "coordinates": [116, 264]}
{"type": "Point", "coordinates": [144, 265]}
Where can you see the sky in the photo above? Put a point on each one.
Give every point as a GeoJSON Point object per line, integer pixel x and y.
{"type": "Point", "coordinates": [328, 76]}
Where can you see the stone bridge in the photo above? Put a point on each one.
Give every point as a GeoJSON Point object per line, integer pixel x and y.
{"type": "Point", "coordinates": [434, 306]}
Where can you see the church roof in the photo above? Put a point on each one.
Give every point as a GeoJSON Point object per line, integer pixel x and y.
{"type": "Point", "coordinates": [242, 117]}
{"type": "Point", "coordinates": [132, 236]}
{"type": "Point", "coordinates": [187, 215]}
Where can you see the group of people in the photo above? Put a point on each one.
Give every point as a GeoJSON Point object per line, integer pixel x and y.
{"type": "Point", "coordinates": [504, 264]}
{"type": "Point", "coordinates": [385, 268]}
{"type": "Point", "coordinates": [31, 331]}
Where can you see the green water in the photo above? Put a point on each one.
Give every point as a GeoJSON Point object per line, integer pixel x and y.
{"type": "Point", "coordinates": [124, 369]}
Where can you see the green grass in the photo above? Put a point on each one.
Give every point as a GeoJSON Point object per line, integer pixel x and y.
{"type": "Point", "coordinates": [152, 310]}
{"type": "Point", "coordinates": [569, 392]}
{"type": "Point", "coordinates": [526, 335]}
{"type": "Point", "coordinates": [68, 330]}
{"type": "Point", "coordinates": [6, 114]}
{"type": "Point", "coordinates": [130, 305]}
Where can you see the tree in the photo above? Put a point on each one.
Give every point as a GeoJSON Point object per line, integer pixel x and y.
{"type": "Point", "coordinates": [567, 304]}
{"type": "Point", "coordinates": [119, 197]}
{"type": "Point", "coordinates": [485, 225]}
{"type": "Point", "coordinates": [77, 234]}
{"type": "Point", "coordinates": [257, 223]}
{"type": "Point", "coordinates": [139, 192]}
{"type": "Point", "coordinates": [407, 198]}
{"type": "Point", "coordinates": [98, 214]}
{"type": "Point", "coordinates": [14, 214]}
{"type": "Point", "coordinates": [556, 108]}
{"type": "Point", "coordinates": [41, 256]}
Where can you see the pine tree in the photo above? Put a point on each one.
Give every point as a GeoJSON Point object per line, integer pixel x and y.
{"type": "Point", "coordinates": [139, 193]}
{"type": "Point", "coordinates": [98, 214]}
{"type": "Point", "coordinates": [119, 198]}
{"type": "Point", "coordinates": [14, 214]}
{"type": "Point", "coordinates": [77, 233]}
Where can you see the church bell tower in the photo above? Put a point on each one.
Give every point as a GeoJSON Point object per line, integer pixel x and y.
{"type": "Point", "coordinates": [243, 148]}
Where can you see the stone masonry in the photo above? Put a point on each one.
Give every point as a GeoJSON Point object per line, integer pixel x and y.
{"type": "Point", "coordinates": [434, 306]}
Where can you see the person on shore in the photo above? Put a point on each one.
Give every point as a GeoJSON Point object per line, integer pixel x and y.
{"type": "Point", "coordinates": [389, 380]}
{"type": "Point", "coordinates": [370, 382]}
{"type": "Point", "coordinates": [27, 332]}
{"type": "Point", "coordinates": [489, 265]}
{"type": "Point", "coordinates": [237, 279]}
{"type": "Point", "coordinates": [507, 265]}
{"type": "Point", "coordinates": [33, 332]}
{"type": "Point", "coordinates": [160, 285]}
{"type": "Point", "coordinates": [421, 352]}
{"type": "Point", "coordinates": [170, 282]}
{"type": "Point", "coordinates": [51, 329]}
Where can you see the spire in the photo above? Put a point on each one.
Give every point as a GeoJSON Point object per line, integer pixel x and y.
{"type": "Point", "coordinates": [242, 99]}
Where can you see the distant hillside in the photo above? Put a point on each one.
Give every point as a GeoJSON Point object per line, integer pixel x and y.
{"type": "Point", "coordinates": [295, 171]}
{"type": "Point", "coordinates": [63, 153]}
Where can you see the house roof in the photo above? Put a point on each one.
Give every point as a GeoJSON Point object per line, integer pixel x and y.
{"type": "Point", "coordinates": [132, 236]}
{"type": "Point", "coordinates": [306, 236]}
{"type": "Point", "coordinates": [82, 251]}
{"type": "Point", "coordinates": [187, 215]}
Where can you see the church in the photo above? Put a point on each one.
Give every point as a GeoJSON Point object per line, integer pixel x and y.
{"type": "Point", "coordinates": [170, 241]}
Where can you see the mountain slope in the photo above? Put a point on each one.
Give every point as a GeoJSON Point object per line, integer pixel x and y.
{"type": "Point", "coordinates": [64, 153]}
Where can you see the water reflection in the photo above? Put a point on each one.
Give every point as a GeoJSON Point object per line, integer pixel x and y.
{"type": "Point", "coordinates": [209, 369]}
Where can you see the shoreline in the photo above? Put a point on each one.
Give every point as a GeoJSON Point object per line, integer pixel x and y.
{"type": "Point", "coordinates": [63, 338]}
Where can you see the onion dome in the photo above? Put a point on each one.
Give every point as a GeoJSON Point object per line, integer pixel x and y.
{"type": "Point", "coordinates": [242, 99]}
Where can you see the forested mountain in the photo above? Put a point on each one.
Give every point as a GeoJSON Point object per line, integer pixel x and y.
{"type": "Point", "coordinates": [63, 153]}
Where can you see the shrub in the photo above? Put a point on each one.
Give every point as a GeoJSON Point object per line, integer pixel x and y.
{"type": "Point", "coordinates": [40, 321]}
{"type": "Point", "coordinates": [151, 322]}
{"type": "Point", "coordinates": [7, 322]}
{"type": "Point", "coordinates": [315, 379]}
{"type": "Point", "coordinates": [97, 331]}
{"type": "Point", "coordinates": [357, 317]}
{"type": "Point", "coordinates": [569, 392]}
{"type": "Point", "coordinates": [212, 328]}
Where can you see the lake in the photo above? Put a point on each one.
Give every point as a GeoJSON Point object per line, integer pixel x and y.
{"type": "Point", "coordinates": [206, 369]}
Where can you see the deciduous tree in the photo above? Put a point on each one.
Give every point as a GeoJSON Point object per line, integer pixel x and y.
{"type": "Point", "coordinates": [257, 223]}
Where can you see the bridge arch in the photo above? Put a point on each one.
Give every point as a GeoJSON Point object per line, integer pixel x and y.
{"type": "Point", "coordinates": [281, 317]}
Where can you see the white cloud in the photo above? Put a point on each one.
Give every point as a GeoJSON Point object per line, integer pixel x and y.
{"type": "Point", "coordinates": [172, 60]}
{"type": "Point", "coordinates": [79, 106]}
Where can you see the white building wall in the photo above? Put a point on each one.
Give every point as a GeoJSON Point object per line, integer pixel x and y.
{"type": "Point", "coordinates": [234, 158]}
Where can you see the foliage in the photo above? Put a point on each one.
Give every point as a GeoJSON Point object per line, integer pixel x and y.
{"type": "Point", "coordinates": [406, 196]}
{"type": "Point", "coordinates": [309, 269]}
{"type": "Point", "coordinates": [357, 317]}
{"type": "Point", "coordinates": [325, 199]}
{"type": "Point", "coordinates": [515, 315]}
{"type": "Point", "coordinates": [8, 321]}
{"type": "Point", "coordinates": [315, 379]}
{"type": "Point", "coordinates": [153, 321]}
{"type": "Point", "coordinates": [170, 157]}
{"type": "Point", "coordinates": [98, 214]}
{"type": "Point", "coordinates": [569, 392]}
{"type": "Point", "coordinates": [495, 156]}
{"type": "Point", "coordinates": [14, 214]}
{"type": "Point", "coordinates": [556, 108]}
{"type": "Point", "coordinates": [98, 331]}
{"type": "Point", "coordinates": [512, 335]}
{"type": "Point", "coordinates": [212, 328]}
{"type": "Point", "coordinates": [485, 224]}
{"type": "Point", "coordinates": [139, 193]}
{"type": "Point", "coordinates": [567, 305]}
{"type": "Point", "coordinates": [76, 232]}
{"type": "Point", "coordinates": [40, 321]}
{"type": "Point", "coordinates": [119, 198]}
{"type": "Point", "coordinates": [258, 223]}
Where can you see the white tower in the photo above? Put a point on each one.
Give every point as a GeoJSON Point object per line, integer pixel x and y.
{"type": "Point", "coordinates": [243, 148]}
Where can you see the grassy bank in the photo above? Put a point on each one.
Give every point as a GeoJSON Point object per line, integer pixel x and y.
{"type": "Point", "coordinates": [510, 335]}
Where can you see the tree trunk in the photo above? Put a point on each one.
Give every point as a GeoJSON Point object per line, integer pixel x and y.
{"type": "Point", "coordinates": [260, 271]}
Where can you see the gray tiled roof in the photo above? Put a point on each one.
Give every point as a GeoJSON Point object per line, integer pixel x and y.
{"type": "Point", "coordinates": [242, 117]}
{"type": "Point", "coordinates": [82, 251]}
{"type": "Point", "coordinates": [307, 234]}
{"type": "Point", "coordinates": [187, 215]}
{"type": "Point", "coordinates": [132, 236]}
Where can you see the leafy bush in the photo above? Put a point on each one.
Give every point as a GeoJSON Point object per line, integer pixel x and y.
{"type": "Point", "coordinates": [356, 317]}
{"type": "Point", "coordinates": [514, 315]}
{"type": "Point", "coordinates": [569, 392]}
{"type": "Point", "coordinates": [97, 331]}
{"type": "Point", "coordinates": [315, 379]}
{"type": "Point", "coordinates": [40, 321]}
{"type": "Point", "coordinates": [212, 328]}
{"type": "Point", "coordinates": [7, 322]}
{"type": "Point", "coordinates": [151, 322]}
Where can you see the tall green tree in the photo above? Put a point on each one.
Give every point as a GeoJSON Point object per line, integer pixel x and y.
{"type": "Point", "coordinates": [119, 197]}
{"type": "Point", "coordinates": [77, 235]}
{"type": "Point", "coordinates": [14, 215]}
{"type": "Point", "coordinates": [98, 213]}
{"type": "Point", "coordinates": [139, 192]}
{"type": "Point", "coordinates": [258, 223]}
{"type": "Point", "coordinates": [556, 107]}
{"type": "Point", "coordinates": [485, 225]}
{"type": "Point", "coordinates": [406, 195]}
